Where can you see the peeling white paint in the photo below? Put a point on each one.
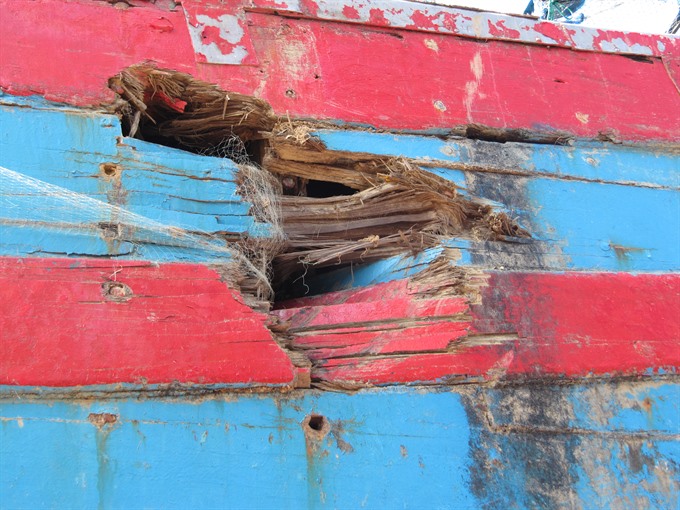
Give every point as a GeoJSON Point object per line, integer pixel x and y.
{"type": "Point", "coordinates": [618, 45]}
{"type": "Point", "coordinates": [230, 31]}
{"type": "Point", "coordinates": [401, 14]}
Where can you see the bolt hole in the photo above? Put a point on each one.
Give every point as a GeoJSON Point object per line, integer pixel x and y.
{"type": "Point", "coordinates": [316, 422]}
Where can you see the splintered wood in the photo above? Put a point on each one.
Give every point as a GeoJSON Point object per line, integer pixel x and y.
{"type": "Point", "coordinates": [397, 208]}
{"type": "Point", "coordinates": [194, 114]}
{"type": "Point", "coordinates": [371, 208]}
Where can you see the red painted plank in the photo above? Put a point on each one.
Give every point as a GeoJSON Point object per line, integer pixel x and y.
{"type": "Point", "coordinates": [179, 324]}
{"type": "Point", "coordinates": [569, 324]}
{"type": "Point", "coordinates": [379, 309]}
{"type": "Point", "coordinates": [387, 77]}
{"type": "Point", "coordinates": [386, 339]}
{"type": "Point", "coordinates": [580, 324]}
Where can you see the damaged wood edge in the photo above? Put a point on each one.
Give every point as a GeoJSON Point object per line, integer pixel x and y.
{"type": "Point", "coordinates": [198, 393]}
{"type": "Point", "coordinates": [198, 116]}
{"type": "Point", "coordinates": [393, 204]}
{"type": "Point", "coordinates": [170, 391]}
{"type": "Point", "coordinates": [514, 381]}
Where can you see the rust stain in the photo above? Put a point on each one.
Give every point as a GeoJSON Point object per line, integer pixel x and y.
{"type": "Point", "coordinates": [337, 431]}
{"type": "Point", "coordinates": [101, 420]}
{"type": "Point", "coordinates": [622, 252]}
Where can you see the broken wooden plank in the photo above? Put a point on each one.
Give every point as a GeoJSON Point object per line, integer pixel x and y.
{"type": "Point", "coordinates": [98, 322]}
{"type": "Point", "coordinates": [523, 326]}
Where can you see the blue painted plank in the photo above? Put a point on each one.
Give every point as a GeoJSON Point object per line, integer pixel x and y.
{"type": "Point", "coordinates": [630, 222]}
{"type": "Point", "coordinates": [609, 227]}
{"type": "Point", "coordinates": [649, 165]}
{"type": "Point", "coordinates": [66, 148]}
{"type": "Point", "coordinates": [156, 187]}
{"type": "Point", "coordinates": [539, 446]}
{"type": "Point", "coordinates": [78, 242]}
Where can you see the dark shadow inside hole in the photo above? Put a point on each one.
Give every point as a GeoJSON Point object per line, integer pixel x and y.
{"type": "Point", "coordinates": [316, 422]}
{"type": "Point", "coordinates": [221, 145]}
{"type": "Point", "coordinates": [324, 189]}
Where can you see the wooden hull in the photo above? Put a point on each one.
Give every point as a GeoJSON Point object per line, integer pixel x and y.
{"type": "Point", "coordinates": [595, 445]}
{"type": "Point", "coordinates": [390, 65]}
{"type": "Point", "coordinates": [537, 369]}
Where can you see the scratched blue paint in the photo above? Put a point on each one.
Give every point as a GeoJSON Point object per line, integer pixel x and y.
{"type": "Point", "coordinates": [18, 241]}
{"type": "Point", "coordinates": [631, 476]}
{"type": "Point", "coordinates": [65, 147]}
{"type": "Point", "coordinates": [645, 408]}
{"type": "Point", "coordinates": [574, 224]}
{"type": "Point", "coordinates": [467, 447]}
{"type": "Point", "coordinates": [589, 220]}
{"type": "Point", "coordinates": [241, 452]}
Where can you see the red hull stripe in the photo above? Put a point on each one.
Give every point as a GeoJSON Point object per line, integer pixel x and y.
{"type": "Point", "coordinates": [179, 324]}
{"type": "Point", "coordinates": [355, 72]}
{"type": "Point", "coordinates": [527, 325]}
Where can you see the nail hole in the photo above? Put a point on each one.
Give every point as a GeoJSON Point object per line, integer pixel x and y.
{"type": "Point", "coordinates": [109, 169]}
{"type": "Point", "coordinates": [316, 427]}
{"type": "Point", "coordinates": [290, 93]}
{"type": "Point", "coordinates": [101, 420]}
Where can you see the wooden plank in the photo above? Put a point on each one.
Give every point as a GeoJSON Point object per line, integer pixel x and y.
{"type": "Point", "coordinates": [527, 325]}
{"type": "Point", "coordinates": [85, 174]}
{"type": "Point", "coordinates": [94, 322]}
{"type": "Point", "coordinates": [574, 200]}
{"type": "Point", "coordinates": [307, 62]}
{"type": "Point", "coordinates": [600, 445]}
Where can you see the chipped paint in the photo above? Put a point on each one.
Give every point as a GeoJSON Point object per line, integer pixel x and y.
{"type": "Point", "coordinates": [537, 446]}
{"type": "Point", "coordinates": [472, 23]}
{"type": "Point", "coordinates": [222, 47]}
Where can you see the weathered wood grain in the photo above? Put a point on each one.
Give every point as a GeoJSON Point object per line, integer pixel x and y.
{"type": "Point", "coordinates": [525, 325]}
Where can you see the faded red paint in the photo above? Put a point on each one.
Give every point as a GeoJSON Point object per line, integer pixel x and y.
{"type": "Point", "coordinates": [554, 31]}
{"type": "Point", "coordinates": [180, 323]}
{"type": "Point", "coordinates": [162, 24]}
{"type": "Point", "coordinates": [571, 325]}
{"type": "Point", "coordinates": [421, 20]}
{"type": "Point", "coordinates": [399, 83]}
{"type": "Point", "coordinates": [579, 324]}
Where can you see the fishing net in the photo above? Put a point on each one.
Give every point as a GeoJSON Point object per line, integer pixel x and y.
{"type": "Point", "coordinates": [75, 224]}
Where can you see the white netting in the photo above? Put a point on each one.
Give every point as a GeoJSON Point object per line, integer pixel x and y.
{"type": "Point", "coordinates": [231, 147]}
{"type": "Point", "coordinates": [64, 216]}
